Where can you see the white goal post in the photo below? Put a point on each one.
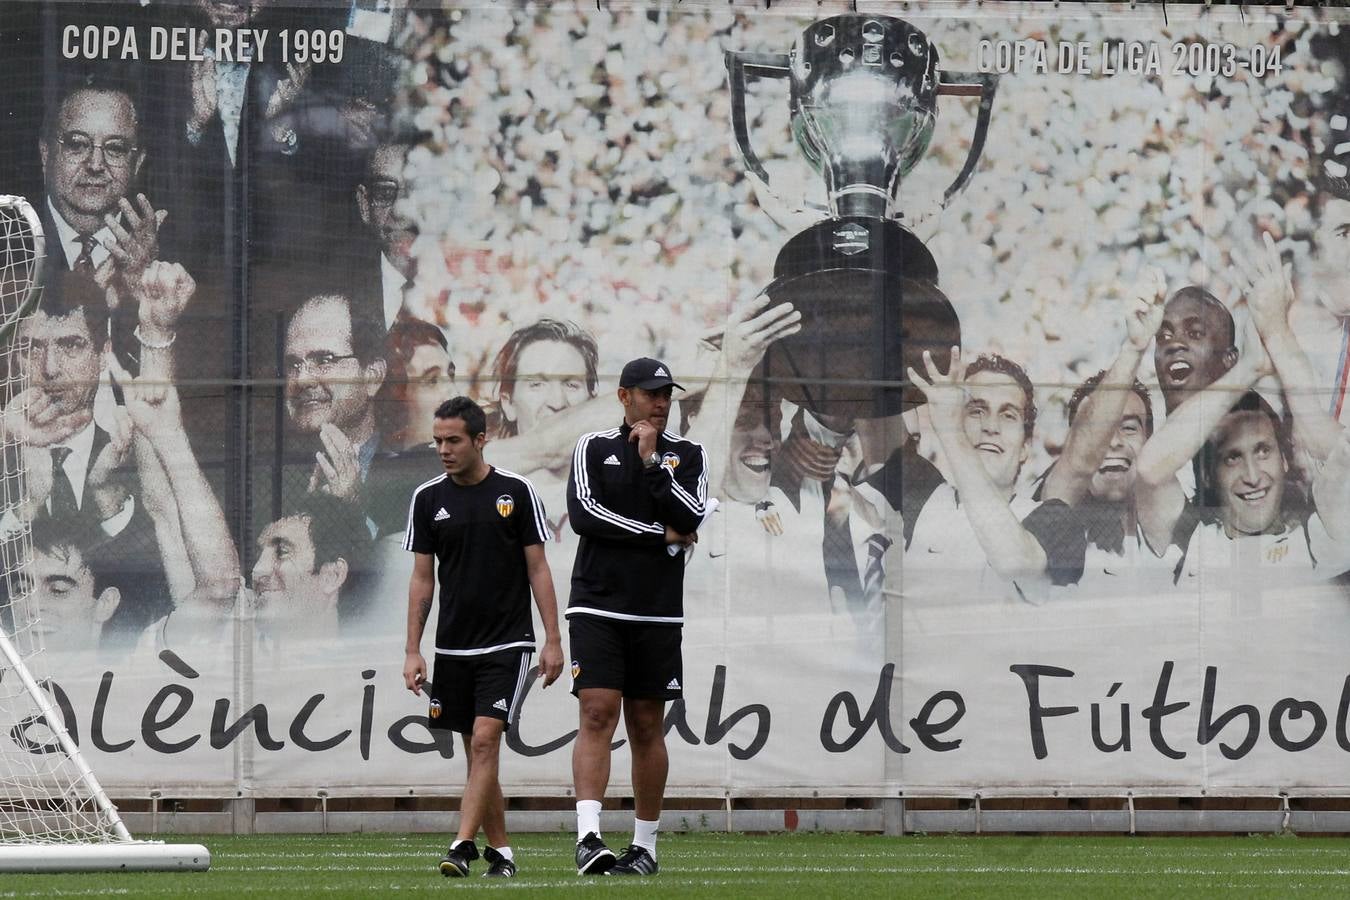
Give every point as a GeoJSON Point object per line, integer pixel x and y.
{"type": "Point", "coordinates": [54, 815]}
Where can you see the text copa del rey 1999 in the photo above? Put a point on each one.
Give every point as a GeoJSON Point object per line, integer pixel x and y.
{"type": "Point", "coordinates": [291, 45]}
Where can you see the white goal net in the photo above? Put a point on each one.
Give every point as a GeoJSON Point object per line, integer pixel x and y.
{"type": "Point", "coordinates": [53, 813]}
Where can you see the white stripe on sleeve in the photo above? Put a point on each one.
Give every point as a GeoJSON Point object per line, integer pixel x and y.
{"type": "Point", "coordinates": [537, 505]}
{"type": "Point", "coordinates": [412, 504]}
{"type": "Point", "coordinates": [581, 476]}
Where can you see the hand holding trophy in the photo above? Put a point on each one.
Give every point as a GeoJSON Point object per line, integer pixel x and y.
{"type": "Point", "coordinates": [863, 96]}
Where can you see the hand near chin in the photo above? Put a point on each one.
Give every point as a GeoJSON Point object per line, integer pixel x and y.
{"type": "Point", "coordinates": [644, 433]}
{"type": "Point", "coordinates": [38, 418]}
{"type": "Point", "coordinates": [337, 469]}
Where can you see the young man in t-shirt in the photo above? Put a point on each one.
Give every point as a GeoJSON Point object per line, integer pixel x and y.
{"type": "Point", "coordinates": [480, 531]}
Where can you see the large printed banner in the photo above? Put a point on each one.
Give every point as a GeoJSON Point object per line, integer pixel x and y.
{"type": "Point", "coordinates": [1017, 338]}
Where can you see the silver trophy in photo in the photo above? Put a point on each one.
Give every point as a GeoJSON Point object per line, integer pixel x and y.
{"type": "Point", "coordinates": [862, 103]}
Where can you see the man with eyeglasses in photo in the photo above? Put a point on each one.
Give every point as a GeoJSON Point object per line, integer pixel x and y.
{"type": "Point", "coordinates": [90, 155]}
{"type": "Point", "coordinates": [333, 366]}
{"type": "Point", "coordinates": [100, 227]}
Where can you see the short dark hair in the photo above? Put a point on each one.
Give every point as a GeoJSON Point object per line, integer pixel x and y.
{"type": "Point", "coordinates": [48, 536]}
{"type": "Point", "coordinates": [338, 530]}
{"type": "Point", "coordinates": [67, 293]}
{"type": "Point", "coordinates": [1208, 300]}
{"type": "Point", "coordinates": [993, 362]}
{"type": "Point", "coordinates": [507, 364]}
{"type": "Point", "coordinates": [367, 324]}
{"type": "Point", "coordinates": [53, 538]}
{"type": "Point", "coordinates": [280, 288]}
{"type": "Point", "coordinates": [94, 83]}
{"type": "Point", "coordinates": [475, 420]}
{"type": "Point", "coordinates": [1084, 390]}
{"type": "Point", "coordinates": [143, 592]}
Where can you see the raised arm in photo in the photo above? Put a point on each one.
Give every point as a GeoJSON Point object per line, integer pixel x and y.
{"type": "Point", "coordinates": [1270, 298]}
{"type": "Point", "coordinates": [751, 327]}
{"type": "Point", "coordinates": [155, 411]}
{"type": "Point", "coordinates": [1012, 551]}
{"type": "Point", "coordinates": [1098, 417]}
{"type": "Point", "coordinates": [551, 440]}
{"type": "Point", "coordinates": [1181, 437]}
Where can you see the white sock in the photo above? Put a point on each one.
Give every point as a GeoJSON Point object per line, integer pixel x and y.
{"type": "Point", "coordinates": [588, 818]}
{"type": "Point", "coordinates": [644, 834]}
{"type": "Point", "coordinates": [456, 842]}
{"type": "Point", "coordinates": [506, 853]}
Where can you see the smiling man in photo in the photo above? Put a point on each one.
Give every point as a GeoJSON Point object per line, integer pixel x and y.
{"type": "Point", "coordinates": [90, 155]}
{"type": "Point", "coordinates": [334, 365]}
{"type": "Point", "coordinates": [971, 523]}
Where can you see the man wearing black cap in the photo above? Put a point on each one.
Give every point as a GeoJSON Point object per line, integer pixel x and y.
{"type": "Point", "coordinates": [634, 493]}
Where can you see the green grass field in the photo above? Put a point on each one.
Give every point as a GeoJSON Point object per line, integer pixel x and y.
{"type": "Point", "coordinates": [781, 866]}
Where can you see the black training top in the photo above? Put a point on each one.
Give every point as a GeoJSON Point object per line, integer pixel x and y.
{"type": "Point", "coordinates": [621, 508]}
{"type": "Point", "coordinates": [478, 534]}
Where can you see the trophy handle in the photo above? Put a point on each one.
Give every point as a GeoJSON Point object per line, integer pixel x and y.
{"type": "Point", "coordinates": [741, 65]}
{"type": "Point", "coordinates": [970, 84]}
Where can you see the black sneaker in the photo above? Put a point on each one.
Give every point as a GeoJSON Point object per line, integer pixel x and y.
{"type": "Point", "coordinates": [498, 866]}
{"type": "Point", "coordinates": [455, 863]}
{"type": "Point", "coordinates": [635, 861]}
{"type": "Point", "coordinates": [593, 857]}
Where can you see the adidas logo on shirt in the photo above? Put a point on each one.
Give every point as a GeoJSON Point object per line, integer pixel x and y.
{"type": "Point", "coordinates": [612, 460]}
{"type": "Point", "coordinates": [441, 515]}
{"type": "Point", "coordinates": [500, 704]}
{"type": "Point", "coordinates": [674, 685]}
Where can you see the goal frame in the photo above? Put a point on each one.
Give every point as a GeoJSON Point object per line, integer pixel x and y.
{"type": "Point", "coordinates": [123, 853]}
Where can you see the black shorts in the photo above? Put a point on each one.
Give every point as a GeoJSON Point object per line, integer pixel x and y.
{"type": "Point", "coordinates": [466, 687]}
{"type": "Point", "coordinates": [638, 659]}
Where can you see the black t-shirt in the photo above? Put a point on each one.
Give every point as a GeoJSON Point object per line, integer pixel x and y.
{"type": "Point", "coordinates": [478, 534]}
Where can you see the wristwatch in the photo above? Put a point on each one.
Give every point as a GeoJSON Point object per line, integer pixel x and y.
{"type": "Point", "coordinates": [652, 461]}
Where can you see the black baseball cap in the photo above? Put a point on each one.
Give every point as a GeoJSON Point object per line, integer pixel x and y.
{"type": "Point", "coordinates": [648, 374]}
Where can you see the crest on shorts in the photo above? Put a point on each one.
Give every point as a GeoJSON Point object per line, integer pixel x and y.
{"type": "Point", "coordinates": [505, 503]}
{"type": "Point", "coordinates": [671, 461]}
{"type": "Point", "coordinates": [434, 710]}
{"type": "Point", "coordinates": [576, 669]}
